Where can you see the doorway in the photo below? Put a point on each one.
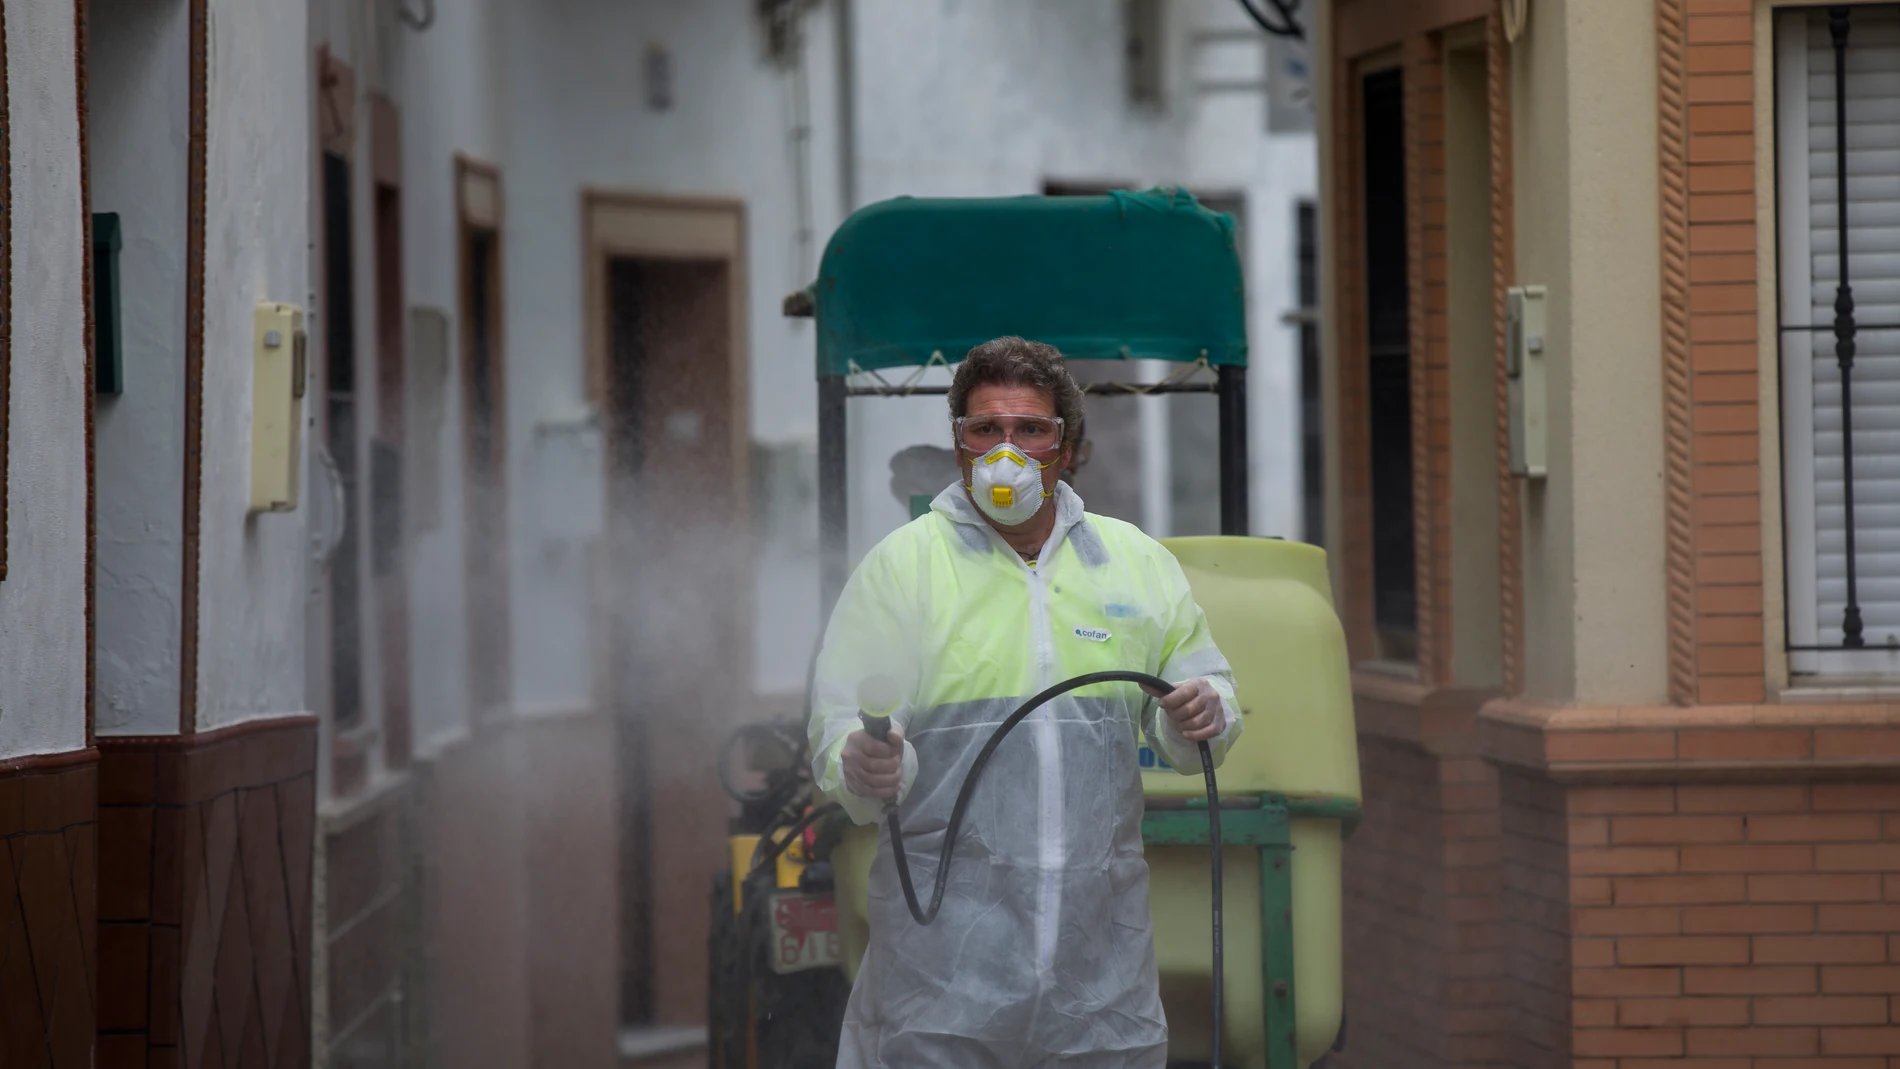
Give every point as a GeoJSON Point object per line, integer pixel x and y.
{"type": "Point", "coordinates": [485, 515]}
{"type": "Point", "coordinates": [388, 541]}
{"type": "Point", "coordinates": [676, 601]}
{"type": "Point", "coordinates": [345, 595]}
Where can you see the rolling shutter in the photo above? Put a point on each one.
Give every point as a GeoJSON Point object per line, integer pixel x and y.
{"type": "Point", "coordinates": [1815, 427]}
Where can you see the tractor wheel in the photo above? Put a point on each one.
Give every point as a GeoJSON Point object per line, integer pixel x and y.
{"type": "Point", "coordinates": [726, 1012]}
{"type": "Point", "coordinates": [800, 1016]}
{"type": "Point", "coordinates": [797, 1016]}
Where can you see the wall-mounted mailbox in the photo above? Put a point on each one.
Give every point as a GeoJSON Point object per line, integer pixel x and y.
{"type": "Point", "coordinates": [277, 406]}
{"type": "Point", "coordinates": [108, 337]}
{"type": "Point", "coordinates": [1524, 369]}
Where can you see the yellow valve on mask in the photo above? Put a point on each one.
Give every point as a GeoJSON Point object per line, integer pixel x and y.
{"type": "Point", "coordinates": [1002, 496]}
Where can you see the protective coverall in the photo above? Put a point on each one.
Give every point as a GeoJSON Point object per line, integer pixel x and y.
{"type": "Point", "coordinates": [1043, 954]}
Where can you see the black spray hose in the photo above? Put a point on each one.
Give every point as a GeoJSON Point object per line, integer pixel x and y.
{"type": "Point", "coordinates": [879, 727]}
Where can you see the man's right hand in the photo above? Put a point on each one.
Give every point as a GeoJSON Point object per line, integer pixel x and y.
{"type": "Point", "coordinates": [873, 769]}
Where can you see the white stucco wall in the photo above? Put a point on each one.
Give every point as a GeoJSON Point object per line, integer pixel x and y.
{"type": "Point", "coordinates": [967, 98]}
{"type": "Point", "coordinates": [139, 101]}
{"type": "Point", "coordinates": [442, 82]}
{"type": "Point", "coordinates": [992, 98]}
{"type": "Point", "coordinates": [576, 118]}
{"type": "Point", "coordinates": [987, 98]}
{"type": "Point", "coordinates": [42, 600]}
{"type": "Point", "coordinates": [251, 568]}
{"type": "Point", "coordinates": [1229, 149]}
{"type": "Point", "coordinates": [1615, 325]}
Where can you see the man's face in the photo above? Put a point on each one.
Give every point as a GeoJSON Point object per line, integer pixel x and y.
{"type": "Point", "coordinates": [991, 399]}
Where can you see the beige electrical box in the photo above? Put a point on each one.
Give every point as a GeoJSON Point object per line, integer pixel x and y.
{"type": "Point", "coordinates": [278, 378]}
{"type": "Point", "coordinates": [1524, 370]}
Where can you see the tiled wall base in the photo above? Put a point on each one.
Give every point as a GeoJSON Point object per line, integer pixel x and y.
{"type": "Point", "coordinates": [204, 904]}
{"type": "Point", "coordinates": [48, 881]}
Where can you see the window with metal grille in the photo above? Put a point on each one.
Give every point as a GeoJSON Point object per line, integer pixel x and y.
{"type": "Point", "coordinates": [1837, 101]}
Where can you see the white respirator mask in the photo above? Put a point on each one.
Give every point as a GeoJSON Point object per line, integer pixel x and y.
{"type": "Point", "coordinates": [1007, 485]}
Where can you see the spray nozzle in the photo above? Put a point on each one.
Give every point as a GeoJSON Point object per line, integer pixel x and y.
{"type": "Point", "coordinates": [878, 697]}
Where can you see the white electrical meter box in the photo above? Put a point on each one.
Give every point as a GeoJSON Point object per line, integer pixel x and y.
{"type": "Point", "coordinates": [277, 389]}
{"type": "Point", "coordinates": [1524, 371]}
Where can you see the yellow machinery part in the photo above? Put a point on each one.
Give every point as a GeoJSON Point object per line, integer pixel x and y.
{"type": "Point", "coordinates": [1178, 882]}
{"type": "Point", "coordinates": [1270, 606]}
{"type": "Point", "coordinates": [851, 875]}
{"type": "Point", "coordinates": [790, 866]}
{"type": "Point", "coordinates": [742, 847]}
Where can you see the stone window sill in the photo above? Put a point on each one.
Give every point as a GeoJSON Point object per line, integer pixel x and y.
{"type": "Point", "coordinates": [1826, 690]}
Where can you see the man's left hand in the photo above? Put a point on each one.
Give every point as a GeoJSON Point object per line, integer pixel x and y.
{"type": "Point", "coordinates": [1195, 708]}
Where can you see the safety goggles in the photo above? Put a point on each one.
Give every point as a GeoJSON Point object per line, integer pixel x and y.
{"type": "Point", "coordinates": [1031, 434]}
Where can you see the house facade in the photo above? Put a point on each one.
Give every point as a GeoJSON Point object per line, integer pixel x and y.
{"type": "Point", "coordinates": [1608, 306]}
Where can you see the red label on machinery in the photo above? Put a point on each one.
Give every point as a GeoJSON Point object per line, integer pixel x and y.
{"type": "Point", "coordinates": [804, 933]}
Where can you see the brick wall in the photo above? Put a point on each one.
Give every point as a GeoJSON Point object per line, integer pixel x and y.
{"type": "Point", "coordinates": [1711, 358]}
{"type": "Point", "coordinates": [1536, 906]}
{"type": "Point", "coordinates": [1731, 921]}
{"type": "Point", "coordinates": [1424, 950]}
{"type": "Point", "coordinates": [1709, 888]}
{"type": "Point", "coordinates": [1476, 995]}
{"type": "Point", "coordinates": [1392, 885]}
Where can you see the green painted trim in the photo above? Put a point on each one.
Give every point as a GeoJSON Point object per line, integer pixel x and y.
{"type": "Point", "coordinates": [1266, 827]}
{"type": "Point", "coordinates": [1346, 812]}
{"type": "Point", "coordinates": [1264, 822]}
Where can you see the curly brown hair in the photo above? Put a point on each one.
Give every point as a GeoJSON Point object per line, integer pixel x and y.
{"type": "Point", "coordinates": [1013, 361]}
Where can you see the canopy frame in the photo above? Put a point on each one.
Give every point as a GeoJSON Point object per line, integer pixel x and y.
{"type": "Point", "coordinates": [1161, 243]}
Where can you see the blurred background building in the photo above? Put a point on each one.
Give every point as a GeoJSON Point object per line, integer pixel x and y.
{"type": "Point", "coordinates": [411, 765]}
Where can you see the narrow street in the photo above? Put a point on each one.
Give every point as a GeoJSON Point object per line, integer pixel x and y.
{"type": "Point", "coordinates": [436, 437]}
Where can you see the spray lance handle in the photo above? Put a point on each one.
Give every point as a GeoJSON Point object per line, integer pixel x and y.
{"type": "Point", "coordinates": [878, 697]}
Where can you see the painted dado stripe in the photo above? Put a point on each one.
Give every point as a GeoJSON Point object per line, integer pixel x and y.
{"type": "Point", "coordinates": [194, 365]}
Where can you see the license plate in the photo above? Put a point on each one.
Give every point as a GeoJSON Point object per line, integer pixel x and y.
{"type": "Point", "coordinates": [804, 933]}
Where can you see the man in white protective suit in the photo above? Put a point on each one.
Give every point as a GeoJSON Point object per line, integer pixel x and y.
{"type": "Point", "coordinates": [1043, 952]}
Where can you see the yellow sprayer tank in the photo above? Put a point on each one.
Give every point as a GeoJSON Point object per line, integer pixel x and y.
{"type": "Point", "coordinates": [1270, 606]}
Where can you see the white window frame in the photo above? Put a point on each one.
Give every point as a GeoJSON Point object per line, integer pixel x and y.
{"type": "Point", "coordinates": [1797, 353]}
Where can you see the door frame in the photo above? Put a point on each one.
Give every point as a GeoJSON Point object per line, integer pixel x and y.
{"type": "Point", "coordinates": [655, 228]}
{"type": "Point", "coordinates": [626, 225]}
